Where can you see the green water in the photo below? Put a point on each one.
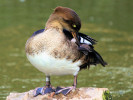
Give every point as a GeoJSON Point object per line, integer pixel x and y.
{"type": "Point", "coordinates": [108, 21]}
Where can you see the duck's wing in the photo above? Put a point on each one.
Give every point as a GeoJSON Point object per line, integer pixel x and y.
{"type": "Point", "coordinates": [86, 46]}
{"type": "Point", "coordinates": [83, 38]}
{"type": "Point", "coordinates": [92, 56]}
{"type": "Point", "coordinates": [38, 32]}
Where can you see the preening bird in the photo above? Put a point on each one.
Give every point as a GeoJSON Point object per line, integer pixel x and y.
{"type": "Point", "coordinates": [60, 49]}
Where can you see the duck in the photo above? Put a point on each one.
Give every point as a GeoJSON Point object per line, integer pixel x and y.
{"type": "Point", "coordinates": [60, 49]}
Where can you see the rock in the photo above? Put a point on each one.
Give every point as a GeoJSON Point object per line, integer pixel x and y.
{"type": "Point", "coordinates": [78, 94]}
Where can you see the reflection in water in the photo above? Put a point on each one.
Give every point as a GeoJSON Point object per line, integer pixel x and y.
{"type": "Point", "coordinates": [108, 21]}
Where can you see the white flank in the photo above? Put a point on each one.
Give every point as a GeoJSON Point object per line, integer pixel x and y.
{"type": "Point", "coordinates": [51, 66]}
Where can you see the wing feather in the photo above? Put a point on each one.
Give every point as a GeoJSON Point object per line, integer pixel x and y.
{"type": "Point", "coordinates": [86, 46]}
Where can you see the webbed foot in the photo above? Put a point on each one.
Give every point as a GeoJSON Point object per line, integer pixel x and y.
{"type": "Point", "coordinates": [65, 90]}
{"type": "Point", "coordinates": [43, 90]}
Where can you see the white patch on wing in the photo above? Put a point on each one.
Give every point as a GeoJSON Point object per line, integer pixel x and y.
{"type": "Point", "coordinates": [82, 40]}
{"type": "Point", "coordinates": [52, 66]}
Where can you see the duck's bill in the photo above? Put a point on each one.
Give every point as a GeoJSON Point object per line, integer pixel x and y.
{"type": "Point", "coordinates": [75, 35]}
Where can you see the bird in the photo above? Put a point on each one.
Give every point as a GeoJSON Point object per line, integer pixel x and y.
{"type": "Point", "coordinates": [60, 49]}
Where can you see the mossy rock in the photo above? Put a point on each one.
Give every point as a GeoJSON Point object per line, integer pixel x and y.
{"type": "Point", "coordinates": [107, 95]}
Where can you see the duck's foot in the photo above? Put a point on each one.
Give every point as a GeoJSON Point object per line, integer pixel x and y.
{"type": "Point", "coordinates": [65, 90]}
{"type": "Point", "coordinates": [43, 90]}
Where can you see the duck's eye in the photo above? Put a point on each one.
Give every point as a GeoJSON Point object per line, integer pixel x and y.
{"type": "Point", "coordinates": [74, 26]}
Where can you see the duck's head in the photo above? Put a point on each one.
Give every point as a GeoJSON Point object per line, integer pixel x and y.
{"type": "Point", "coordinates": [67, 19]}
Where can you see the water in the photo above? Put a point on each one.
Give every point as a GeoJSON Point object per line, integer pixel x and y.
{"type": "Point", "coordinates": [109, 22]}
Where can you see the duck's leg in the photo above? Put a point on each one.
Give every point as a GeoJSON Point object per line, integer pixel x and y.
{"type": "Point", "coordinates": [44, 90]}
{"type": "Point", "coordinates": [66, 90]}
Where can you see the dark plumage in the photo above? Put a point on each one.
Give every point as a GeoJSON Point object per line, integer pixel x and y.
{"type": "Point", "coordinates": [92, 56]}
{"type": "Point", "coordinates": [38, 32]}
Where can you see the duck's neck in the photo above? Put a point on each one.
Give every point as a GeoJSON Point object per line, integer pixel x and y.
{"type": "Point", "coordinates": [53, 24]}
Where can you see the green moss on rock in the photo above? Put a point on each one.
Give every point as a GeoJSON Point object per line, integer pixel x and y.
{"type": "Point", "coordinates": [106, 95]}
